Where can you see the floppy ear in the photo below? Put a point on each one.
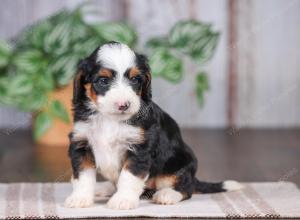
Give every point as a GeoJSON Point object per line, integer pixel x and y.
{"type": "Point", "coordinates": [142, 63]}
{"type": "Point", "coordinates": [81, 78]}
{"type": "Point", "coordinates": [146, 89]}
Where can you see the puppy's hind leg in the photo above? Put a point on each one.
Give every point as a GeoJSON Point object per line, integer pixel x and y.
{"type": "Point", "coordinates": [173, 189]}
{"type": "Point", "coordinates": [167, 196]}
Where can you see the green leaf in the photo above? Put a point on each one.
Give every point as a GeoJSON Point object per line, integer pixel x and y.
{"type": "Point", "coordinates": [42, 124]}
{"type": "Point", "coordinates": [58, 40]}
{"type": "Point", "coordinates": [40, 32]}
{"type": "Point", "coordinates": [34, 36]}
{"type": "Point", "coordinates": [32, 102]}
{"type": "Point", "coordinates": [120, 32]}
{"type": "Point", "coordinates": [20, 84]}
{"type": "Point", "coordinates": [36, 101]}
{"type": "Point", "coordinates": [5, 53]}
{"type": "Point", "coordinates": [184, 33]}
{"type": "Point", "coordinates": [59, 16]}
{"type": "Point", "coordinates": [84, 49]}
{"type": "Point", "coordinates": [163, 63]}
{"type": "Point", "coordinates": [195, 39]}
{"type": "Point", "coordinates": [157, 42]}
{"type": "Point", "coordinates": [203, 52]}
{"type": "Point", "coordinates": [202, 86]}
{"type": "Point", "coordinates": [24, 91]}
{"type": "Point", "coordinates": [4, 87]}
{"type": "Point", "coordinates": [64, 68]}
{"type": "Point", "coordinates": [30, 61]}
{"type": "Point", "coordinates": [59, 111]}
{"type": "Point", "coordinates": [80, 31]}
{"type": "Point", "coordinates": [45, 80]}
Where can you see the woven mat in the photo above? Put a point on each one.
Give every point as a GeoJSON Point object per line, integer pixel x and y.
{"type": "Point", "coordinates": [256, 200]}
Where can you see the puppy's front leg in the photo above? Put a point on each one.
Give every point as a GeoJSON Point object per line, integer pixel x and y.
{"type": "Point", "coordinates": [129, 189]}
{"type": "Point", "coordinates": [130, 185]}
{"type": "Point", "coordinates": [84, 177]}
{"type": "Point", "coordinates": [83, 190]}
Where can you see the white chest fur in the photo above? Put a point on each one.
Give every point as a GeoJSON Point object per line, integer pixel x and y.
{"type": "Point", "coordinates": [109, 139]}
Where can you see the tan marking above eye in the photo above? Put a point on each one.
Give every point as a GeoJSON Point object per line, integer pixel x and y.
{"type": "Point", "coordinates": [134, 71]}
{"type": "Point", "coordinates": [105, 73]}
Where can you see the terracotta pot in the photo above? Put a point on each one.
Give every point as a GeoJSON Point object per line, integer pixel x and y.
{"type": "Point", "coordinates": [52, 148]}
{"type": "Point", "coordinates": [52, 163]}
{"type": "Point", "coordinates": [57, 135]}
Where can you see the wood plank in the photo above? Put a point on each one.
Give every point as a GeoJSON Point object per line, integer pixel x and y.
{"type": "Point", "coordinates": [232, 62]}
{"type": "Point", "coordinates": [269, 80]}
{"type": "Point", "coordinates": [249, 155]}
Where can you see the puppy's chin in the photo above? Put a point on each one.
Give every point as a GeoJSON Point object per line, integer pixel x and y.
{"type": "Point", "coordinates": [121, 117]}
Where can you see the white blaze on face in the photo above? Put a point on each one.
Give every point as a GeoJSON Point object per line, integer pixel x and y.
{"type": "Point", "coordinates": [120, 58]}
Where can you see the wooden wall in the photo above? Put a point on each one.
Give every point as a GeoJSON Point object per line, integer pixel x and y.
{"type": "Point", "coordinates": [268, 63]}
{"type": "Point", "coordinates": [258, 56]}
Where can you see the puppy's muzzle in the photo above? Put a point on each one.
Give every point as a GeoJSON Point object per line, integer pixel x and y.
{"type": "Point", "coordinates": [122, 106]}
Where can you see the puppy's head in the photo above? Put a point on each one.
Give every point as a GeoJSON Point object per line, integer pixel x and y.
{"type": "Point", "coordinates": [115, 80]}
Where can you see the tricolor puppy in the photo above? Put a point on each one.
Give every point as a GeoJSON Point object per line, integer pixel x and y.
{"type": "Point", "coordinates": [120, 132]}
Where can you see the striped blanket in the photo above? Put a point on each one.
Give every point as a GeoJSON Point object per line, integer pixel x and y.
{"type": "Point", "coordinates": [44, 200]}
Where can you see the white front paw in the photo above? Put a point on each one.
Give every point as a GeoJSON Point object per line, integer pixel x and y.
{"type": "Point", "coordinates": [123, 201]}
{"type": "Point", "coordinates": [79, 201]}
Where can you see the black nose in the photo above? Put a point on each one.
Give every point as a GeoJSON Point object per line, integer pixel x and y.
{"type": "Point", "coordinates": [123, 107]}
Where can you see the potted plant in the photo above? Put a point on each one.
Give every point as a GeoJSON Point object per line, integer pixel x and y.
{"type": "Point", "coordinates": [37, 67]}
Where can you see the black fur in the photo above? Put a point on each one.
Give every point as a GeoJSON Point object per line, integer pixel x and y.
{"type": "Point", "coordinates": [163, 153]}
{"type": "Point", "coordinates": [78, 151]}
{"type": "Point", "coordinates": [143, 66]}
{"type": "Point", "coordinates": [86, 68]}
{"type": "Point", "coordinates": [167, 154]}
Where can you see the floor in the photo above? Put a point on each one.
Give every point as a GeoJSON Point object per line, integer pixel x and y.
{"type": "Point", "coordinates": [243, 155]}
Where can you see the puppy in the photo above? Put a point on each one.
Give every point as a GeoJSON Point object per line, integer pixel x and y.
{"type": "Point", "coordinates": [120, 132]}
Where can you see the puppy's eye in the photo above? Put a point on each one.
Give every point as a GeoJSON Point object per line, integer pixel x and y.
{"type": "Point", "coordinates": [135, 80]}
{"type": "Point", "coordinates": [103, 81]}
